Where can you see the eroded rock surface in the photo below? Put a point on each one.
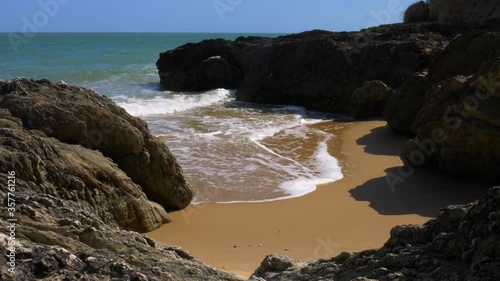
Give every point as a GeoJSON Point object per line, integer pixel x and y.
{"type": "Point", "coordinates": [461, 244]}
{"type": "Point", "coordinates": [458, 127]}
{"type": "Point", "coordinates": [78, 116]}
{"type": "Point", "coordinates": [319, 70]}
{"type": "Point", "coordinates": [78, 159]}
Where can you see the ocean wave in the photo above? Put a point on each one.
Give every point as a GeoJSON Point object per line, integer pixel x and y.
{"type": "Point", "coordinates": [171, 103]}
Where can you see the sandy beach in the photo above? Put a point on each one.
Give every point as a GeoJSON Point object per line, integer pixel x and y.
{"type": "Point", "coordinates": [352, 214]}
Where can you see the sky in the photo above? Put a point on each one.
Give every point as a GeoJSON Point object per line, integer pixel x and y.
{"type": "Point", "coordinates": [234, 16]}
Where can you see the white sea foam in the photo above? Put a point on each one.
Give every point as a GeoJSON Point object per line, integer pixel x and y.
{"type": "Point", "coordinates": [327, 166]}
{"type": "Point", "coordinates": [172, 103]}
{"type": "Point", "coordinates": [233, 146]}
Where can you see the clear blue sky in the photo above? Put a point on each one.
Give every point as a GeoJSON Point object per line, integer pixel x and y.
{"type": "Point", "coordinates": [279, 16]}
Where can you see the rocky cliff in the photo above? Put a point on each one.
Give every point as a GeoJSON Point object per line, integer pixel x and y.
{"type": "Point", "coordinates": [85, 172]}
{"type": "Point", "coordinates": [461, 244]}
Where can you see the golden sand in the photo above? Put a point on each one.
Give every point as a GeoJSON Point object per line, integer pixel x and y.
{"type": "Point", "coordinates": [353, 214]}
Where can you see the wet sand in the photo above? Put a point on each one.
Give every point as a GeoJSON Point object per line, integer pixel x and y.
{"type": "Point", "coordinates": [353, 214]}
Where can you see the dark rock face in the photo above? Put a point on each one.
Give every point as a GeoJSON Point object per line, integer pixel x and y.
{"type": "Point", "coordinates": [319, 70]}
{"type": "Point", "coordinates": [469, 11]}
{"type": "Point", "coordinates": [75, 208]}
{"type": "Point", "coordinates": [417, 12]}
{"type": "Point", "coordinates": [403, 106]}
{"type": "Point", "coordinates": [370, 99]}
{"type": "Point", "coordinates": [77, 116]}
{"type": "Point", "coordinates": [199, 67]}
{"type": "Point", "coordinates": [461, 244]}
{"type": "Point", "coordinates": [458, 127]}
{"type": "Point", "coordinates": [465, 54]}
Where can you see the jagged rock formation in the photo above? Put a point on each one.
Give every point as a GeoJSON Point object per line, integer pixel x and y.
{"type": "Point", "coordinates": [318, 69]}
{"type": "Point", "coordinates": [461, 244]}
{"type": "Point", "coordinates": [76, 207]}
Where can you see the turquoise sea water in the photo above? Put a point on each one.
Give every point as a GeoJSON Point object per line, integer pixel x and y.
{"type": "Point", "coordinates": [230, 151]}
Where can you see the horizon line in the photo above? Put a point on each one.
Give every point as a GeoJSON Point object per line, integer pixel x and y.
{"type": "Point", "coordinates": [153, 32]}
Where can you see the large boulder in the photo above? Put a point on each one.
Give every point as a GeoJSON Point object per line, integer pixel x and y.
{"type": "Point", "coordinates": [463, 10]}
{"type": "Point", "coordinates": [417, 12]}
{"type": "Point", "coordinates": [317, 69]}
{"type": "Point", "coordinates": [85, 177]}
{"type": "Point", "coordinates": [458, 127]}
{"type": "Point", "coordinates": [77, 212]}
{"type": "Point", "coordinates": [403, 106]}
{"type": "Point", "coordinates": [75, 115]}
{"type": "Point", "coordinates": [462, 243]}
{"type": "Point", "coordinates": [370, 99]}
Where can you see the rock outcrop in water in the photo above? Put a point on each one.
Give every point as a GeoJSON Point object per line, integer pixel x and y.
{"type": "Point", "coordinates": [461, 244]}
{"type": "Point", "coordinates": [318, 69]}
{"type": "Point", "coordinates": [83, 167]}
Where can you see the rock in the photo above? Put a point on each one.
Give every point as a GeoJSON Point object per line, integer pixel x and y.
{"type": "Point", "coordinates": [465, 54]}
{"type": "Point", "coordinates": [75, 115]}
{"type": "Point", "coordinates": [276, 263]}
{"type": "Point", "coordinates": [370, 99]}
{"type": "Point", "coordinates": [417, 12]}
{"type": "Point", "coordinates": [403, 106]}
{"type": "Point", "coordinates": [462, 243]}
{"type": "Point", "coordinates": [76, 209]}
{"type": "Point", "coordinates": [211, 70]}
{"type": "Point", "coordinates": [71, 172]}
{"type": "Point", "coordinates": [317, 69]}
{"type": "Point", "coordinates": [469, 11]}
{"type": "Point", "coordinates": [458, 127]}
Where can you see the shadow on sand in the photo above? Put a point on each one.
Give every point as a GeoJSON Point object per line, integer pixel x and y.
{"type": "Point", "coordinates": [423, 193]}
{"type": "Point", "coordinates": [383, 141]}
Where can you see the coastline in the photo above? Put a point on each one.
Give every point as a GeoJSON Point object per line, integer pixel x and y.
{"type": "Point", "coordinates": [352, 214]}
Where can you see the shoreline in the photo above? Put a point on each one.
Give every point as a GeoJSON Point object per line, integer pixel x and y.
{"type": "Point", "coordinates": [353, 214]}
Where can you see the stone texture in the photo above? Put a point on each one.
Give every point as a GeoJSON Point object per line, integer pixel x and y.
{"type": "Point", "coordinates": [458, 127]}
{"type": "Point", "coordinates": [403, 106]}
{"type": "Point", "coordinates": [75, 115]}
{"type": "Point", "coordinates": [370, 99]}
{"type": "Point", "coordinates": [317, 69]}
{"type": "Point", "coordinates": [77, 211]}
{"type": "Point", "coordinates": [465, 54]}
{"type": "Point", "coordinates": [461, 244]}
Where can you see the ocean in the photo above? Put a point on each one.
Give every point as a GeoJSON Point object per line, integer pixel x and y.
{"type": "Point", "coordinates": [230, 151]}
